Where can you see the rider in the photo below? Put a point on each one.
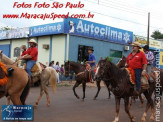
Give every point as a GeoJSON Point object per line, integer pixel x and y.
{"type": "Point", "coordinates": [138, 62]}
{"type": "Point", "coordinates": [30, 56]}
{"type": "Point", "coordinates": [91, 61]}
{"type": "Point", "coordinates": [150, 58]}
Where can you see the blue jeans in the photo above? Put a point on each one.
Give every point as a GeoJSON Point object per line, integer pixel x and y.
{"type": "Point", "coordinates": [138, 78]}
{"type": "Point", "coordinates": [30, 64]}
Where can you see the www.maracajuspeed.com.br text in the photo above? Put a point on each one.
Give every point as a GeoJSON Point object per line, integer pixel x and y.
{"type": "Point", "coordinates": [46, 16]}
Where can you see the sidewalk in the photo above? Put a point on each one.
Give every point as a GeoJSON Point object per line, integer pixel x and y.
{"type": "Point", "coordinates": [67, 83]}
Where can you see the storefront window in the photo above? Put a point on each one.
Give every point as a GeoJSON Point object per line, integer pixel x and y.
{"type": "Point", "coordinates": [115, 53]}
{"type": "Point", "coordinates": [16, 52]}
{"type": "Point", "coordinates": [83, 53]}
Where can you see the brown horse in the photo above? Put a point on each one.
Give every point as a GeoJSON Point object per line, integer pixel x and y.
{"type": "Point", "coordinates": [153, 74]}
{"type": "Point", "coordinates": [121, 87]}
{"type": "Point", "coordinates": [17, 87]}
{"type": "Point", "coordinates": [48, 74]}
{"type": "Point", "coordinates": [81, 75]}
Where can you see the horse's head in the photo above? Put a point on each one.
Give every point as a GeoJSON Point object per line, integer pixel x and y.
{"type": "Point", "coordinates": [101, 69]}
{"type": "Point", "coordinates": [121, 62]}
{"type": "Point", "coordinates": [67, 68]}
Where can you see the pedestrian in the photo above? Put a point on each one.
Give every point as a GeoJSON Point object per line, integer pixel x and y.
{"type": "Point", "coordinates": [71, 75]}
{"type": "Point", "coordinates": [150, 59]}
{"type": "Point", "coordinates": [138, 62]}
{"type": "Point", "coordinates": [57, 68]}
{"type": "Point", "coordinates": [91, 61]}
{"type": "Point", "coordinates": [62, 72]}
{"type": "Point", "coordinates": [51, 64]}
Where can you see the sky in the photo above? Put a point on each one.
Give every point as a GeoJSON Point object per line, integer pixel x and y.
{"type": "Point", "coordinates": [131, 15]}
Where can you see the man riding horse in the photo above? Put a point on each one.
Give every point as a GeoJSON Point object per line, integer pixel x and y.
{"type": "Point", "coordinates": [138, 62]}
{"type": "Point", "coordinates": [30, 56]}
{"type": "Point", "coordinates": [91, 61]}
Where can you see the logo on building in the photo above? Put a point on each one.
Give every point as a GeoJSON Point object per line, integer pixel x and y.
{"type": "Point", "coordinates": [98, 31]}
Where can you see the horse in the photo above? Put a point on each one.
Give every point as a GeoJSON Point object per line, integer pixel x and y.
{"type": "Point", "coordinates": [17, 86]}
{"type": "Point", "coordinates": [81, 75]}
{"type": "Point", "coordinates": [153, 74]}
{"type": "Point", "coordinates": [121, 88]}
{"type": "Point", "coordinates": [48, 74]}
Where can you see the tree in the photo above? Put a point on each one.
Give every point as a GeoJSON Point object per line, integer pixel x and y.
{"type": "Point", "coordinates": [157, 35]}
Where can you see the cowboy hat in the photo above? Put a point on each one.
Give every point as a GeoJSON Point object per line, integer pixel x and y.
{"type": "Point", "coordinates": [90, 49]}
{"type": "Point", "coordinates": [137, 44]}
{"type": "Point", "coordinates": [32, 41]}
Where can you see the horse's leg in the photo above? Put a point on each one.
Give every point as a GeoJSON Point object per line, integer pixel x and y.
{"type": "Point", "coordinates": [108, 84]}
{"type": "Point", "coordinates": [41, 93]}
{"type": "Point", "coordinates": [84, 86]}
{"type": "Point", "coordinates": [141, 99]}
{"type": "Point", "coordinates": [16, 100]}
{"type": "Point", "coordinates": [99, 87]}
{"type": "Point", "coordinates": [76, 85]}
{"type": "Point", "coordinates": [148, 105]}
{"type": "Point", "coordinates": [47, 95]}
{"type": "Point", "coordinates": [117, 100]}
{"type": "Point", "coordinates": [126, 100]}
{"type": "Point", "coordinates": [8, 100]}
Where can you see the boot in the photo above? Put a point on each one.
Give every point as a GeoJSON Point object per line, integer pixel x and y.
{"type": "Point", "coordinates": [10, 71]}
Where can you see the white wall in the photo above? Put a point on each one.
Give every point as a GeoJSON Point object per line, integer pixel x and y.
{"type": "Point", "coordinates": [58, 48]}
{"type": "Point", "coordinates": [43, 54]}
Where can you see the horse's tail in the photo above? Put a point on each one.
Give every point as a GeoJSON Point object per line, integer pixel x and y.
{"type": "Point", "coordinates": [25, 91]}
{"type": "Point", "coordinates": [53, 79]}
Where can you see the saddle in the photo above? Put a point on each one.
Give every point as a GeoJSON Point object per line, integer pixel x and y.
{"type": "Point", "coordinates": [36, 69]}
{"type": "Point", "coordinates": [144, 79]}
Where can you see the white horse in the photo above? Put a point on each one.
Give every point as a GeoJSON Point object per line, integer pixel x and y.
{"type": "Point", "coordinates": [48, 74]}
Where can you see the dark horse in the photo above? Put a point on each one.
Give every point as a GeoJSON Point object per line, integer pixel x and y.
{"type": "Point", "coordinates": [121, 87]}
{"type": "Point", "coordinates": [81, 75]}
{"type": "Point", "coordinates": [121, 64]}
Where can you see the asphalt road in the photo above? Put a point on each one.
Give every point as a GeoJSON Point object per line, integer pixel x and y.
{"type": "Point", "coordinates": [65, 107]}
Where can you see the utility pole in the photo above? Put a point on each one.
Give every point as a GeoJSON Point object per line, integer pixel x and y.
{"type": "Point", "coordinates": [98, 2]}
{"type": "Point", "coordinates": [148, 28]}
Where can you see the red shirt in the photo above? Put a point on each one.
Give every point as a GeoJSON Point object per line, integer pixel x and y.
{"type": "Point", "coordinates": [32, 52]}
{"type": "Point", "coordinates": [24, 53]}
{"type": "Point", "coordinates": [137, 61]}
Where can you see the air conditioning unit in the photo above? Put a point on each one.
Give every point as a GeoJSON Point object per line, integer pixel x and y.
{"type": "Point", "coordinates": [45, 46]}
{"type": "Point", "coordinates": [126, 48]}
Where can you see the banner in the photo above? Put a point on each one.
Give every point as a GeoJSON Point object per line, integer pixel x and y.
{"type": "Point", "coordinates": [152, 43]}
{"type": "Point", "coordinates": [48, 29]}
{"type": "Point", "coordinates": [89, 29]}
{"type": "Point", "coordinates": [16, 33]}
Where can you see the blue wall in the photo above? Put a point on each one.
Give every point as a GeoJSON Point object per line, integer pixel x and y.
{"type": "Point", "coordinates": [6, 49]}
{"type": "Point", "coordinates": [101, 48]}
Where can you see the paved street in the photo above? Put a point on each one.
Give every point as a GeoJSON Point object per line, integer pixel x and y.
{"type": "Point", "coordinates": [66, 108]}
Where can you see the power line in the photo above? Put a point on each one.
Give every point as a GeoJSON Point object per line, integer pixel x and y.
{"type": "Point", "coordinates": [121, 7]}
{"type": "Point", "coordinates": [119, 18]}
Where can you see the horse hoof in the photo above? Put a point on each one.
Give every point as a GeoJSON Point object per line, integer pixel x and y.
{"type": "Point", "coordinates": [34, 106]}
{"type": "Point", "coordinates": [114, 121]}
{"type": "Point", "coordinates": [94, 98]}
{"type": "Point", "coordinates": [143, 120]}
{"type": "Point", "coordinates": [47, 105]}
{"type": "Point", "coordinates": [152, 119]}
{"type": "Point", "coordinates": [133, 120]}
{"type": "Point", "coordinates": [77, 97]}
{"type": "Point", "coordinates": [82, 100]}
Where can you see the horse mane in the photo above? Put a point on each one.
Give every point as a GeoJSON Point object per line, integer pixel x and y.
{"type": "Point", "coordinates": [82, 65]}
{"type": "Point", "coordinates": [113, 71]}
{"type": "Point", "coordinates": [6, 59]}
